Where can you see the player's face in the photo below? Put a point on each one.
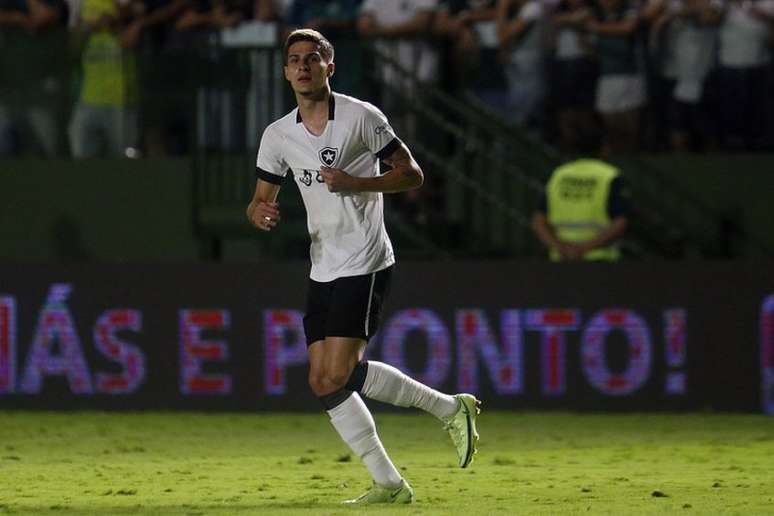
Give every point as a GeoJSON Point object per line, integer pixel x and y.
{"type": "Point", "coordinates": [306, 70]}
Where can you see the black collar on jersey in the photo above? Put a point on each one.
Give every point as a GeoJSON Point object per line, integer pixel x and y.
{"type": "Point", "coordinates": [331, 110]}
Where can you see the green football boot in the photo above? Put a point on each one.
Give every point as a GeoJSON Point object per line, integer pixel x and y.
{"type": "Point", "coordinates": [462, 428]}
{"type": "Point", "coordinates": [381, 494]}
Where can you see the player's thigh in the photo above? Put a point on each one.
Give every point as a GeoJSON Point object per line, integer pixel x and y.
{"type": "Point", "coordinates": [340, 356]}
{"type": "Point", "coordinates": [356, 305]}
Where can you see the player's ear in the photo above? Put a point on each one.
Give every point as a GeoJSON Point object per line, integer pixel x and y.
{"type": "Point", "coordinates": [285, 72]}
{"type": "Point", "coordinates": [331, 69]}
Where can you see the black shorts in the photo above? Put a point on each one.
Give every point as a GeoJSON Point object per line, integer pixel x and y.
{"type": "Point", "coordinates": [346, 307]}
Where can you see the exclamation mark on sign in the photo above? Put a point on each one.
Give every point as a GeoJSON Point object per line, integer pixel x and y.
{"type": "Point", "coordinates": [674, 337]}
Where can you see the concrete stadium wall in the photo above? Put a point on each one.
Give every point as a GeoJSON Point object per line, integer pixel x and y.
{"type": "Point", "coordinates": [140, 210]}
{"type": "Point", "coordinates": [95, 211]}
{"type": "Point", "coordinates": [738, 186]}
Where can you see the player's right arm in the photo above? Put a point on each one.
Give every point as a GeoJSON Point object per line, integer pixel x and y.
{"type": "Point", "coordinates": [263, 210]}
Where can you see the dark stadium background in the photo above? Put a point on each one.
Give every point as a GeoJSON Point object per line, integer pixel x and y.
{"type": "Point", "coordinates": [161, 229]}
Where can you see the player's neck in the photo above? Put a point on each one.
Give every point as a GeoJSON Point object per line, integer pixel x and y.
{"type": "Point", "coordinates": [314, 110]}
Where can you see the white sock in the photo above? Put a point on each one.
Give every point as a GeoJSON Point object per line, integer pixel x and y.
{"type": "Point", "coordinates": [386, 383]}
{"type": "Point", "coordinates": [356, 426]}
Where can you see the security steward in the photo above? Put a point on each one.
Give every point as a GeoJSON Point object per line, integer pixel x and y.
{"type": "Point", "coordinates": [583, 212]}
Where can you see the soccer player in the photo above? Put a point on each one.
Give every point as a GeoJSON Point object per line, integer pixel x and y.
{"type": "Point", "coordinates": [332, 145]}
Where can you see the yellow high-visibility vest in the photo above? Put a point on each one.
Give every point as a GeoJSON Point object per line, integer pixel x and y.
{"type": "Point", "coordinates": [577, 195]}
{"type": "Point", "coordinates": [109, 71]}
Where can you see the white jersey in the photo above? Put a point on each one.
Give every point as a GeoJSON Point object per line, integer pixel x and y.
{"type": "Point", "coordinates": [347, 229]}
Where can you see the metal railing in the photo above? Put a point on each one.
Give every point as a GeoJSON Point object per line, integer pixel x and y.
{"type": "Point", "coordinates": [484, 179]}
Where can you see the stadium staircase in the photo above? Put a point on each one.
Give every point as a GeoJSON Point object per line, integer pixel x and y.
{"type": "Point", "coordinates": [483, 180]}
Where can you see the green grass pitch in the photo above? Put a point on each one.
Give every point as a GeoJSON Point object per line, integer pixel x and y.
{"type": "Point", "coordinates": [528, 463]}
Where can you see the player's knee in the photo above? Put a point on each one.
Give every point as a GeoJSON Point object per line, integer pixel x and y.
{"type": "Point", "coordinates": [326, 381]}
{"type": "Point", "coordinates": [337, 378]}
{"type": "Point", "coordinates": [318, 384]}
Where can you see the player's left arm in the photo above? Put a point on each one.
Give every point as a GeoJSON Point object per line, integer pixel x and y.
{"type": "Point", "coordinates": [404, 175]}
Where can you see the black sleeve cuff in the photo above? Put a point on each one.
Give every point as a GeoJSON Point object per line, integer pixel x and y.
{"type": "Point", "coordinates": [268, 176]}
{"type": "Point", "coordinates": [388, 149]}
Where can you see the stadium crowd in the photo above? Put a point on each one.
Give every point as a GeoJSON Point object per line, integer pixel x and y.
{"type": "Point", "coordinates": [657, 75]}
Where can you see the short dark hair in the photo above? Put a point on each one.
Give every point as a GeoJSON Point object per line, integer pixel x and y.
{"type": "Point", "coordinates": [323, 45]}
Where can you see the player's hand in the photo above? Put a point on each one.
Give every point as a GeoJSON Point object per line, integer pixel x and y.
{"type": "Point", "coordinates": [263, 215]}
{"type": "Point", "coordinates": [337, 180]}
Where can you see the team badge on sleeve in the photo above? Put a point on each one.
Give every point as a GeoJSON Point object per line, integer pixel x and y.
{"type": "Point", "coordinates": [328, 156]}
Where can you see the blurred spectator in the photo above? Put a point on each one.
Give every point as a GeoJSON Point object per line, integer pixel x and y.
{"type": "Point", "coordinates": [683, 36]}
{"type": "Point", "coordinates": [33, 75]}
{"type": "Point", "coordinates": [218, 80]}
{"type": "Point", "coordinates": [620, 91]}
{"type": "Point", "coordinates": [73, 13]}
{"type": "Point", "coordinates": [521, 34]}
{"type": "Point", "coordinates": [573, 76]}
{"type": "Point", "coordinates": [401, 30]}
{"type": "Point", "coordinates": [659, 34]}
{"type": "Point", "coordinates": [470, 31]}
{"type": "Point", "coordinates": [104, 121]}
{"type": "Point", "coordinates": [156, 18]}
{"type": "Point", "coordinates": [743, 55]}
{"type": "Point", "coordinates": [583, 212]}
{"type": "Point", "coordinates": [209, 15]}
{"type": "Point", "coordinates": [337, 19]}
{"type": "Point", "coordinates": [177, 57]}
{"type": "Point", "coordinates": [268, 10]}
{"type": "Point", "coordinates": [160, 77]}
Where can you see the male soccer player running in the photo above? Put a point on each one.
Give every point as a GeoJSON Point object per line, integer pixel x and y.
{"type": "Point", "coordinates": [332, 145]}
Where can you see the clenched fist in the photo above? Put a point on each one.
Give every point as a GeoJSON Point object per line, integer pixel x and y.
{"type": "Point", "coordinates": [263, 215]}
{"type": "Point", "coordinates": [337, 180]}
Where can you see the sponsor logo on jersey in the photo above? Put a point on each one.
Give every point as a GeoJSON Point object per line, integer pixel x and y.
{"type": "Point", "coordinates": [379, 129]}
{"type": "Point", "coordinates": [306, 178]}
